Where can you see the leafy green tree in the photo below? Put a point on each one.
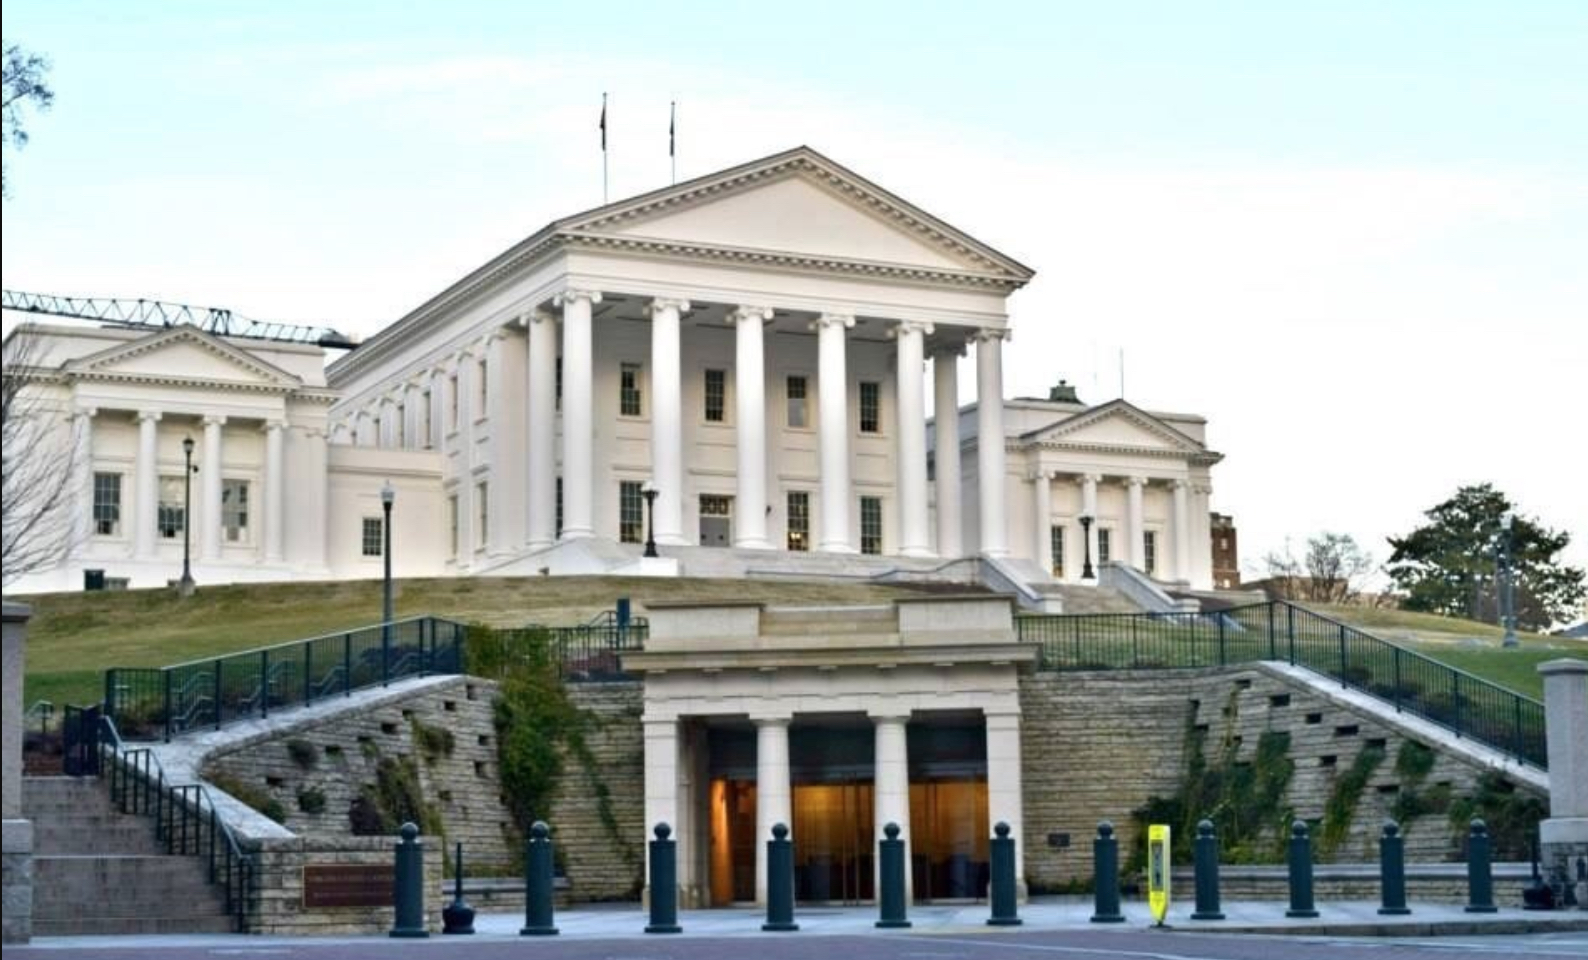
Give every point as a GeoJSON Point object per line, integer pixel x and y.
{"type": "Point", "coordinates": [1450, 564]}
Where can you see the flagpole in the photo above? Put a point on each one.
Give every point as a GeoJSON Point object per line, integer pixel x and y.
{"type": "Point", "coordinates": [672, 139]}
{"type": "Point", "coordinates": [604, 200]}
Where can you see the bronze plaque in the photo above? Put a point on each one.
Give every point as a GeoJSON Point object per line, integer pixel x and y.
{"type": "Point", "coordinates": [347, 885]}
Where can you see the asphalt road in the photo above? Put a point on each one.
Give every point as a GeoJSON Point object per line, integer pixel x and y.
{"type": "Point", "coordinates": [1001, 945]}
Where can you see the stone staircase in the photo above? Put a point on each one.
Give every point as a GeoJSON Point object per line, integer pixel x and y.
{"type": "Point", "coordinates": [1082, 599]}
{"type": "Point", "coordinates": [99, 871]}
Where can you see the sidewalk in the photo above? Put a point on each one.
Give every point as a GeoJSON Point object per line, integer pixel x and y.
{"type": "Point", "coordinates": [627, 921]}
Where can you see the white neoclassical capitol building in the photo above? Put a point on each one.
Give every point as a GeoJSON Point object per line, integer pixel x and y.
{"type": "Point", "coordinates": [752, 346]}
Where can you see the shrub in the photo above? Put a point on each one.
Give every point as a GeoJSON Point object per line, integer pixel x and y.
{"type": "Point", "coordinates": [303, 753]}
{"type": "Point", "coordinates": [311, 800]}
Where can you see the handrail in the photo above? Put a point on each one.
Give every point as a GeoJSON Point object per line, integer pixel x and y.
{"type": "Point", "coordinates": [202, 661]}
{"type": "Point", "coordinates": [1468, 705]}
{"type": "Point", "coordinates": [182, 814]}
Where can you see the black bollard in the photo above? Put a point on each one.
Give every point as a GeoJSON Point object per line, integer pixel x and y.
{"type": "Point", "coordinates": [408, 886]}
{"type": "Point", "coordinates": [1300, 860]}
{"type": "Point", "coordinates": [891, 854]}
{"type": "Point", "coordinates": [1205, 853]}
{"type": "Point", "coordinates": [1392, 870]}
{"type": "Point", "coordinates": [458, 916]}
{"type": "Point", "coordinates": [1480, 881]}
{"type": "Point", "coordinates": [664, 882]}
{"type": "Point", "coordinates": [1105, 875]}
{"type": "Point", "coordinates": [779, 881]}
{"type": "Point", "coordinates": [1003, 894]}
{"type": "Point", "coordinates": [538, 883]}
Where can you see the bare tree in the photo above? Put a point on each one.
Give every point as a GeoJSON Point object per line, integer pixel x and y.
{"type": "Point", "coordinates": [23, 84]}
{"type": "Point", "coordinates": [1331, 572]}
{"type": "Point", "coordinates": [37, 453]}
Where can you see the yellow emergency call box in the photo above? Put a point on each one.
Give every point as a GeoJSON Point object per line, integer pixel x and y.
{"type": "Point", "coordinates": [1158, 871]}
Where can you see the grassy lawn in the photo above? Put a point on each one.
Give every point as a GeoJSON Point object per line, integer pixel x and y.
{"type": "Point", "coordinates": [73, 637]}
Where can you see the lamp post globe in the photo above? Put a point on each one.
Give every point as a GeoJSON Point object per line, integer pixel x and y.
{"type": "Point", "coordinates": [649, 491]}
{"type": "Point", "coordinates": [186, 586]}
{"type": "Point", "coordinates": [1087, 573]}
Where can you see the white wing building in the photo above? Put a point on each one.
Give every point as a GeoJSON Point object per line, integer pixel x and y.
{"type": "Point", "coordinates": [758, 347]}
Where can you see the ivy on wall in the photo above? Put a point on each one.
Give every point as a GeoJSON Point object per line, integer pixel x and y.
{"type": "Point", "coordinates": [1340, 810]}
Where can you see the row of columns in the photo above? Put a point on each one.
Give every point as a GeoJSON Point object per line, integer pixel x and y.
{"type": "Point", "coordinates": [1135, 533]}
{"type": "Point", "coordinates": [146, 485]}
{"type": "Point", "coordinates": [668, 784]}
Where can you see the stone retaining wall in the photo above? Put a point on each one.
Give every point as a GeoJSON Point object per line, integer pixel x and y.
{"type": "Point", "coordinates": [278, 908]}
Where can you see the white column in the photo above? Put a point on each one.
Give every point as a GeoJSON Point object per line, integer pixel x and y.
{"type": "Point", "coordinates": [661, 781]}
{"type": "Point", "coordinates": [1004, 797]}
{"type": "Point", "coordinates": [667, 420]}
{"type": "Point", "coordinates": [317, 501]}
{"type": "Point", "coordinates": [1089, 508]}
{"type": "Point", "coordinates": [832, 396]}
{"type": "Point", "coordinates": [749, 381]}
{"type": "Point", "coordinates": [945, 425]}
{"type": "Point", "coordinates": [210, 477]}
{"type": "Point", "coordinates": [542, 397]}
{"type": "Point", "coordinates": [1201, 545]}
{"type": "Point", "coordinates": [83, 468]}
{"type": "Point", "coordinates": [275, 489]}
{"type": "Point", "coordinates": [1042, 520]}
{"type": "Point", "coordinates": [1182, 530]}
{"type": "Point", "coordinates": [773, 795]}
{"type": "Point", "coordinates": [1135, 522]}
{"type": "Point", "coordinates": [892, 784]}
{"type": "Point", "coordinates": [914, 538]}
{"type": "Point", "coordinates": [148, 484]}
{"type": "Point", "coordinates": [418, 416]}
{"type": "Point", "coordinates": [990, 441]}
{"type": "Point", "coordinates": [578, 424]}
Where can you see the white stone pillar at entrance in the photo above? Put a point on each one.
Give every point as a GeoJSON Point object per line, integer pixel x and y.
{"type": "Point", "coordinates": [1564, 836]}
{"type": "Point", "coordinates": [661, 784]}
{"type": "Point", "coordinates": [1003, 786]}
{"type": "Point", "coordinates": [1136, 522]}
{"type": "Point", "coordinates": [773, 793]}
{"type": "Point", "coordinates": [667, 420]}
{"type": "Point", "coordinates": [990, 441]}
{"type": "Point", "coordinates": [1089, 509]}
{"type": "Point", "coordinates": [832, 397]}
{"type": "Point", "coordinates": [148, 484]}
{"type": "Point", "coordinates": [914, 535]}
{"type": "Point", "coordinates": [892, 785]}
{"type": "Point", "coordinates": [83, 468]}
{"type": "Point", "coordinates": [210, 477]}
{"type": "Point", "coordinates": [542, 397]}
{"type": "Point", "coordinates": [749, 522]}
{"type": "Point", "coordinates": [1042, 520]}
{"type": "Point", "coordinates": [275, 489]}
{"type": "Point", "coordinates": [945, 426]}
{"type": "Point", "coordinates": [578, 424]}
{"type": "Point", "coordinates": [1182, 529]}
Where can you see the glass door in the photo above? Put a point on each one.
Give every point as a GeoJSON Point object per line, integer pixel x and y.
{"type": "Point", "coordinates": [833, 842]}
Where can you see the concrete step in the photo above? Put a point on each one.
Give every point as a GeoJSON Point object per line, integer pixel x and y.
{"type": "Point", "coordinates": [131, 925]}
{"type": "Point", "coordinates": [59, 837]}
{"type": "Point", "coordinates": [46, 793]}
{"type": "Point", "coordinates": [122, 886]}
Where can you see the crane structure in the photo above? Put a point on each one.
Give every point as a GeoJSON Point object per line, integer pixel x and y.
{"type": "Point", "coordinates": [157, 313]}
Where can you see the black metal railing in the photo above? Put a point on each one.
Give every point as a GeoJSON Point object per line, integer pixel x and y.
{"type": "Point", "coordinates": [162, 702]}
{"type": "Point", "coordinates": [587, 653]}
{"type": "Point", "coordinates": [184, 816]}
{"type": "Point", "coordinates": [1468, 705]}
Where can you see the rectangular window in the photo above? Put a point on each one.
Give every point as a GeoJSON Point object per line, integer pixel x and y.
{"type": "Point", "coordinates": [452, 403]}
{"type": "Point", "coordinates": [373, 540]}
{"type": "Point", "coordinates": [171, 518]}
{"type": "Point", "coordinates": [629, 390]}
{"type": "Point", "coordinates": [107, 504]}
{"type": "Point", "coordinates": [559, 390]}
{"type": "Point", "coordinates": [452, 524]}
{"type": "Point", "coordinates": [1056, 538]}
{"type": "Point", "coordinates": [482, 393]}
{"type": "Point", "coordinates": [799, 520]}
{"type": "Point", "coordinates": [482, 515]}
{"type": "Point", "coordinates": [400, 429]}
{"type": "Point", "coordinates": [870, 524]}
{"type": "Point", "coordinates": [870, 406]}
{"type": "Point", "coordinates": [716, 396]}
{"type": "Point", "coordinates": [798, 404]}
{"type": "Point", "coordinates": [425, 425]}
{"type": "Point", "coordinates": [234, 510]}
{"type": "Point", "coordinates": [1150, 546]}
{"type": "Point", "coordinates": [631, 512]}
{"type": "Point", "coordinates": [1104, 545]}
{"type": "Point", "coordinates": [559, 506]}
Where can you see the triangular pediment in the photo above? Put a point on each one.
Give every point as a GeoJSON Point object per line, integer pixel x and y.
{"type": "Point", "coordinates": [182, 354]}
{"type": "Point", "coordinates": [799, 204]}
{"type": "Point", "coordinates": [1117, 425]}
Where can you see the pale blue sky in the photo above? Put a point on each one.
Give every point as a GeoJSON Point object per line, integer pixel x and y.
{"type": "Point", "coordinates": [1351, 234]}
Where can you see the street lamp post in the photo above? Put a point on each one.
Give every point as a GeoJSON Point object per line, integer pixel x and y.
{"type": "Point", "coordinates": [1086, 544]}
{"type": "Point", "coordinates": [387, 494]}
{"type": "Point", "coordinates": [1508, 583]}
{"type": "Point", "coordinates": [649, 492]}
{"type": "Point", "coordinates": [186, 586]}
